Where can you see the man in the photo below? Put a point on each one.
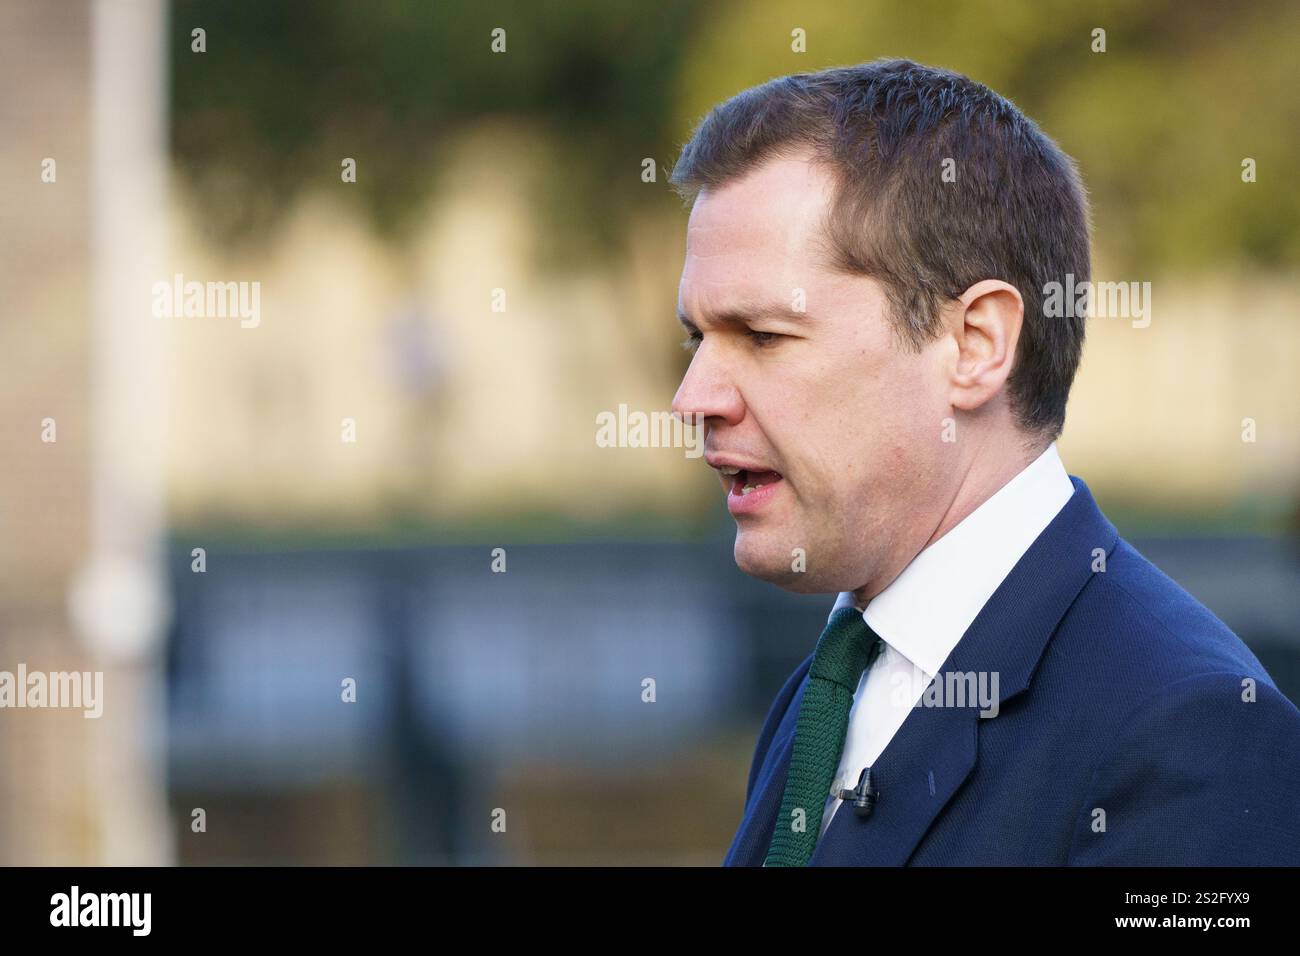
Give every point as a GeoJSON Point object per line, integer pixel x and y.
{"type": "Point", "coordinates": [881, 391]}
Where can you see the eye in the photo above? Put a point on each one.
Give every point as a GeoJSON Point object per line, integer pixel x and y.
{"type": "Point", "coordinates": [692, 341]}
{"type": "Point", "coordinates": [763, 339]}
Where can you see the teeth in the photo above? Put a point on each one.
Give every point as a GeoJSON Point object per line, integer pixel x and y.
{"type": "Point", "coordinates": [728, 470]}
{"type": "Point", "coordinates": [747, 489]}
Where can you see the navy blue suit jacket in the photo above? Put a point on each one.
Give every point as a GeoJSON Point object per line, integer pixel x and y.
{"type": "Point", "coordinates": [1134, 729]}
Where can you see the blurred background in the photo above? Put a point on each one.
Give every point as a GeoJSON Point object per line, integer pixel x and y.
{"type": "Point", "coordinates": [278, 540]}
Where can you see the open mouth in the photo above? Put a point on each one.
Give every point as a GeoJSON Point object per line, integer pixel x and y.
{"type": "Point", "coordinates": [746, 482]}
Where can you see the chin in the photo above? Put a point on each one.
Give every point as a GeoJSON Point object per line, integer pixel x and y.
{"type": "Point", "coordinates": [772, 562]}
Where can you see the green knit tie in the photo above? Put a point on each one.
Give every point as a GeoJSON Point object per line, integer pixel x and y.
{"type": "Point", "coordinates": [846, 648]}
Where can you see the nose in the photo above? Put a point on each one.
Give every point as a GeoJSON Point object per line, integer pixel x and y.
{"type": "Point", "coordinates": [707, 391]}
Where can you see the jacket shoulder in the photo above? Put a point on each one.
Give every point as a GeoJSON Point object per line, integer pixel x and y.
{"type": "Point", "coordinates": [1198, 752]}
{"type": "Point", "coordinates": [1161, 633]}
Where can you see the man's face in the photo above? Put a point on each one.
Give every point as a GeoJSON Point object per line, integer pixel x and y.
{"type": "Point", "coordinates": [836, 431]}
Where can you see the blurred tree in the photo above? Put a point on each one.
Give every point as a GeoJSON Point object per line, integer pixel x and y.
{"type": "Point", "coordinates": [286, 90]}
{"type": "Point", "coordinates": [1160, 122]}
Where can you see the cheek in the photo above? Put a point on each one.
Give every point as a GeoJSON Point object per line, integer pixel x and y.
{"type": "Point", "coordinates": [844, 426]}
{"type": "Point", "coordinates": [905, 401]}
{"type": "Point", "coordinates": [867, 433]}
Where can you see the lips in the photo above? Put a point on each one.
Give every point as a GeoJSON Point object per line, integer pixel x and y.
{"type": "Point", "coordinates": [750, 485]}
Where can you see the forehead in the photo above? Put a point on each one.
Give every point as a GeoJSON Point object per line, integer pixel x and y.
{"type": "Point", "coordinates": [757, 235]}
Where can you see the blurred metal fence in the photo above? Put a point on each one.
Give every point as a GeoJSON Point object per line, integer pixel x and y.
{"type": "Point", "coordinates": [460, 671]}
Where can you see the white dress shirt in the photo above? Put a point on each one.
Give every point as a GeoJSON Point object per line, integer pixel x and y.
{"type": "Point", "coordinates": [924, 611]}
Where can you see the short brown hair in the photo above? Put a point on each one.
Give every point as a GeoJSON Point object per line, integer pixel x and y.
{"type": "Point", "coordinates": [1016, 211]}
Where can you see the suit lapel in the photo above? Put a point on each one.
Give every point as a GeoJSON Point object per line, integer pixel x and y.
{"type": "Point", "coordinates": [936, 748]}
{"type": "Point", "coordinates": [925, 763]}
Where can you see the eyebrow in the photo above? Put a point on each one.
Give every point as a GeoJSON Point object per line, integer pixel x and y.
{"type": "Point", "coordinates": [748, 312]}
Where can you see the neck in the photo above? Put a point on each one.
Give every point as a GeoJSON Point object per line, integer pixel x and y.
{"type": "Point", "coordinates": [984, 476]}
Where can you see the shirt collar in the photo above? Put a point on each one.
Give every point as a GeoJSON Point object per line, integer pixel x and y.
{"type": "Point", "coordinates": [924, 611]}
